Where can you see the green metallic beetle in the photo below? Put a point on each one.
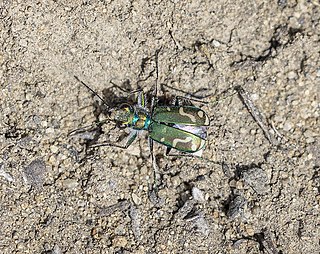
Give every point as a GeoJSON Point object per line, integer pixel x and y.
{"type": "Point", "coordinates": [183, 128]}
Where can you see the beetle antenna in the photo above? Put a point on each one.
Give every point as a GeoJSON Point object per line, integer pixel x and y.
{"type": "Point", "coordinates": [157, 69]}
{"type": "Point", "coordinates": [91, 90]}
{"type": "Point", "coordinates": [87, 127]}
{"type": "Point", "coordinates": [155, 91]}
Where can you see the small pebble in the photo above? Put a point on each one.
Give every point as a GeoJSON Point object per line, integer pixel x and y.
{"type": "Point", "coordinates": [70, 183]}
{"type": "Point", "coordinates": [120, 230]}
{"type": "Point", "coordinates": [134, 150]}
{"type": "Point", "coordinates": [232, 183]}
{"type": "Point", "coordinates": [243, 130]}
{"type": "Point", "coordinates": [309, 134]}
{"type": "Point", "coordinates": [292, 75]}
{"type": "Point", "coordinates": [287, 126]}
{"type": "Point", "coordinates": [54, 149]}
{"type": "Point", "coordinates": [23, 42]}
{"type": "Point", "coordinates": [35, 172]}
{"type": "Point", "coordinates": [36, 119]}
{"type": "Point", "coordinates": [50, 130]}
{"type": "Point", "coordinates": [310, 156]}
{"type": "Point", "coordinates": [6, 175]}
{"type": "Point", "coordinates": [253, 131]}
{"type": "Point", "coordinates": [216, 43]}
{"type": "Point", "coordinates": [163, 247]}
{"type": "Point", "coordinates": [255, 97]}
{"type": "Point", "coordinates": [239, 185]}
{"type": "Point", "coordinates": [136, 199]}
{"type": "Point", "coordinates": [44, 124]}
{"type": "Point", "coordinates": [249, 230]}
{"type": "Point", "coordinates": [310, 140]}
{"type": "Point", "coordinates": [197, 194]}
{"type": "Point", "coordinates": [284, 175]}
{"type": "Point", "coordinates": [119, 241]}
{"type": "Point", "coordinates": [56, 249]}
{"type": "Point", "coordinates": [52, 160]}
{"type": "Point", "coordinates": [215, 214]}
{"type": "Point", "coordinates": [295, 102]}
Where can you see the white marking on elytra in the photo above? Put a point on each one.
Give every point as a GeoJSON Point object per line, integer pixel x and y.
{"type": "Point", "coordinates": [186, 140]}
{"type": "Point", "coordinates": [194, 147]}
{"type": "Point", "coordinates": [203, 142]}
{"type": "Point", "coordinates": [192, 118]}
{"type": "Point", "coordinates": [207, 121]}
{"type": "Point", "coordinates": [200, 113]}
{"type": "Point", "coordinates": [162, 139]}
{"type": "Point", "coordinates": [168, 109]}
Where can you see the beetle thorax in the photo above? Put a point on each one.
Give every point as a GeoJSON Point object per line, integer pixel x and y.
{"type": "Point", "coordinates": [141, 120]}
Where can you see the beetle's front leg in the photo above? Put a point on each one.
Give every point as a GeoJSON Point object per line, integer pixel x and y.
{"type": "Point", "coordinates": [141, 99]}
{"type": "Point", "coordinates": [132, 136]}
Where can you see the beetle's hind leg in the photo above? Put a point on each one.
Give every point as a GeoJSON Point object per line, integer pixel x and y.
{"type": "Point", "coordinates": [207, 99]}
{"type": "Point", "coordinates": [155, 183]}
{"type": "Point", "coordinates": [191, 155]}
{"type": "Point", "coordinates": [178, 98]}
{"type": "Point", "coordinates": [197, 154]}
{"type": "Point", "coordinates": [154, 166]}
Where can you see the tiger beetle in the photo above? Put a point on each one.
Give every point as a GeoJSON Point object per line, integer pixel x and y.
{"type": "Point", "coordinates": [183, 128]}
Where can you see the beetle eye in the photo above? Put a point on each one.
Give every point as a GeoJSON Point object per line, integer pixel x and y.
{"type": "Point", "coordinates": [125, 106]}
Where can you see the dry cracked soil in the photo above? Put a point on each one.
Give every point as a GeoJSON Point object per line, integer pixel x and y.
{"type": "Point", "coordinates": [256, 188]}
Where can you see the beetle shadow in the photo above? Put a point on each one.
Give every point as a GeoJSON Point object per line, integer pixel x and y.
{"type": "Point", "coordinates": [113, 97]}
{"type": "Point", "coordinates": [110, 98]}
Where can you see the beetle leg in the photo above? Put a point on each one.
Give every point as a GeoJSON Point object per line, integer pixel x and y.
{"type": "Point", "coordinates": [141, 99]}
{"type": "Point", "coordinates": [188, 94]}
{"type": "Point", "coordinates": [153, 161]}
{"type": "Point", "coordinates": [87, 128]}
{"type": "Point", "coordinates": [154, 186]}
{"type": "Point", "coordinates": [132, 136]}
{"type": "Point", "coordinates": [182, 154]}
{"type": "Point", "coordinates": [194, 155]}
{"type": "Point", "coordinates": [197, 154]}
{"type": "Point", "coordinates": [167, 151]}
{"type": "Point", "coordinates": [209, 99]}
{"type": "Point", "coordinates": [178, 97]}
{"type": "Point", "coordinates": [154, 165]}
{"type": "Point", "coordinates": [141, 96]}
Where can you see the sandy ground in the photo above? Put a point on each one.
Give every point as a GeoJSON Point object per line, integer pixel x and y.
{"type": "Point", "coordinates": [262, 196]}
